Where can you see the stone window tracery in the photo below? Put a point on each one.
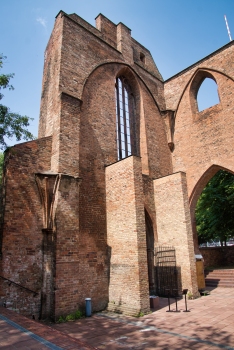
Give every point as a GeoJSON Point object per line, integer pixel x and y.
{"type": "Point", "coordinates": [125, 119]}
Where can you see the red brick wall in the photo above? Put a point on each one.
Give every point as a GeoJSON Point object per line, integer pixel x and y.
{"type": "Point", "coordinates": [65, 145]}
{"type": "Point", "coordinates": [50, 107]}
{"type": "Point", "coordinates": [97, 149]}
{"type": "Point", "coordinates": [174, 225]}
{"type": "Point", "coordinates": [108, 29]}
{"type": "Point", "coordinates": [154, 140]}
{"type": "Point", "coordinates": [221, 61]}
{"type": "Point", "coordinates": [126, 238]}
{"type": "Point", "coordinates": [218, 256]}
{"type": "Point", "coordinates": [69, 275]}
{"type": "Point", "coordinates": [23, 220]}
{"type": "Point", "coordinates": [203, 140]}
{"type": "Point", "coordinates": [78, 113]}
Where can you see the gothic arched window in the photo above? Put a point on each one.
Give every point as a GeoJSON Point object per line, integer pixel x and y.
{"type": "Point", "coordinates": [207, 94]}
{"type": "Point", "coordinates": [125, 119]}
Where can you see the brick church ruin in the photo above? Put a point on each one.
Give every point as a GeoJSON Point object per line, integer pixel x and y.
{"type": "Point", "coordinates": [111, 183]}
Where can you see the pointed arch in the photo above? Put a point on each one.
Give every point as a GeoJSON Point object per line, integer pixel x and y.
{"type": "Point", "coordinates": [204, 69]}
{"type": "Point", "coordinates": [207, 95]}
{"type": "Point", "coordinates": [126, 67]}
{"type": "Point", "coordinates": [197, 82]}
{"type": "Point", "coordinates": [127, 95]}
{"type": "Point", "coordinates": [196, 192]}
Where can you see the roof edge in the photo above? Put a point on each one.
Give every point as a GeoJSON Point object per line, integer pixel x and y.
{"type": "Point", "coordinates": [201, 60]}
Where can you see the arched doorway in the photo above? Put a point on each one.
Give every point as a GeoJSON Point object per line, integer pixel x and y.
{"type": "Point", "coordinates": [214, 210]}
{"type": "Point", "coordinates": [210, 174]}
{"type": "Point", "coordinates": [214, 226]}
{"type": "Point", "coordinates": [150, 252]}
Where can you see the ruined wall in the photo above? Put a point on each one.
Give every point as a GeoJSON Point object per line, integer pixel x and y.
{"type": "Point", "coordinates": [154, 148]}
{"type": "Point", "coordinates": [218, 256]}
{"type": "Point", "coordinates": [126, 238]}
{"type": "Point", "coordinates": [78, 114]}
{"type": "Point", "coordinates": [23, 220]}
{"type": "Point", "coordinates": [74, 51]}
{"type": "Point", "coordinates": [98, 149]}
{"type": "Point", "coordinates": [86, 144]}
{"type": "Point", "coordinates": [203, 139]}
{"type": "Point", "coordinates": [69, 273]}
{"type": "Point", "coordinates": [174, 225]}
{"type": "Point", "coordinates": [50, 99]}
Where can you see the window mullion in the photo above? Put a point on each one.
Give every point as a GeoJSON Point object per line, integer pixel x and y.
{"type": "Point", "coordinates": [132, 125]}
{"type": "Point", "coordinates": [124, 118]}
{"type": "Point", "coordinates": [118, 118]}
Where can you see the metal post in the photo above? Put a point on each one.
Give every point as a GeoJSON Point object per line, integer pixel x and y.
{"type": "Point", "coordinates": [185, 291]}
{"type": "Point", "coordinates": [176, 291]}
{"type": "Point", "coordinates": [169, 305]}
{"type": "Point", "coordinates": [186, 304]}
{"type": "Point", "coordinates": [88, 307]}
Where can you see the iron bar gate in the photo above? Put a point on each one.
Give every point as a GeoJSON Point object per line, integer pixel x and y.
{"type": "Point", "coordinates": [168, 281]}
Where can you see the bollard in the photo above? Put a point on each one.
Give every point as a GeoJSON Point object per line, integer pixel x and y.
{"type": "Point", "coordinates": [88, 307]}
{"type": "Point", "coordinates": [168, 296]}
{"type": "Point", "coordinates": [185, 291]}
{"type": "Point", "coordinates": [176, 293]}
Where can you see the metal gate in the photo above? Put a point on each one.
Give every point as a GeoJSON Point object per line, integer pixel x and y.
{"type": "Point", "coordinates": [167, 274]}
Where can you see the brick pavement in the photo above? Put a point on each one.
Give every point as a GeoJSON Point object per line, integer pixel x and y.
{"type": "Point", "coordinates": [208, 325]}
{"type": "Point", "coordinates": [19, 332]}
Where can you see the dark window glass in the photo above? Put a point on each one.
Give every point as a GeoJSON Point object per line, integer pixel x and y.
{"type": "Point", "coordinates": [125, 119]}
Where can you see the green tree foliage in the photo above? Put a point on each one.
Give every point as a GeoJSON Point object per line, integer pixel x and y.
{"type": "Point", "coordinates": [215, 209]}
{"type": "Point", "coordinates": [11, 124]}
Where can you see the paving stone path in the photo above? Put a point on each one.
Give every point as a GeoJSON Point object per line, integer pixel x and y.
{"type": "Point", "coordinates": [18, 332]}
{"type": "Point", "coordinates": [209, 324]}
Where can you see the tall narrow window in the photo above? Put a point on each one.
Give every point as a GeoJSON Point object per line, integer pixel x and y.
{"type": "Point", "coordinates": [125, 119]}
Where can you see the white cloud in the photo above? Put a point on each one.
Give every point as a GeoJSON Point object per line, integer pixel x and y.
{"type": "Point", "coordinates": [42, 21]}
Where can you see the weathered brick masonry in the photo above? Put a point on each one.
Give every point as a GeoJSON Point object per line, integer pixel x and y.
{"type": "Point", "coordinates": [203, 140]}
{"type": "Point", "coordinates": [22, 255]}
{"type": "Point", "coordinates": [79, 221]}
{"type": "Point", "coordinates": [126, 237]}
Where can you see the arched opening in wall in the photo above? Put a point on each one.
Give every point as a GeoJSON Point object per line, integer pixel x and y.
{"type": "Point", "coordinates": [207, 95]}
{"type": "Point", "coordinates": [214, 211]}
{"type": "Point", "coordinates": [150, 252]}
{"type": "Point", "coordinates": [142, 57]}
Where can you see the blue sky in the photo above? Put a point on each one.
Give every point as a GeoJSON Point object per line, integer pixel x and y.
{"type": "Point", "coordinates": [177, 32]}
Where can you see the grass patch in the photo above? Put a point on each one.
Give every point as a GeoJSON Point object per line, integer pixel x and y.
{"type": "Point", "coordinates": [71, 317]}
